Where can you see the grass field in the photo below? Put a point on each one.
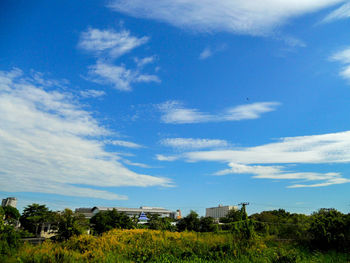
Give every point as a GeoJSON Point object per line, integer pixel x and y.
{"type": "Point", "coordinates": [141, 245]}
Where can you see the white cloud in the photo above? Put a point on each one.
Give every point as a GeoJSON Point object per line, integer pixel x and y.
{"type": "Point", "coordinates": [190, 143]}
{"type": "Point", "coordinates": [109, 42]}
{"type": "Point", "coordinates": [343, 57]}
{"type": "Point", "coordinates": [91, 93]}
{"type": "Point", "coordinates": [326, 148]}
{"type": "Point", "coordinates": [144, 61]}
{"type": "Point", "coordinates": [278, 173]}
{"type": "Point", "coordinates": [315, 149]}
{"type": "Point", "coordinates": [174, 112]}
{"type": "Point", "coordinates": [161, 157]}
{"type": "Point", "coordinates": [124, 144]}
{"type": "Point", "coordinates": [206, 53]}
{"type": "Point", "coordinates": [142, 165]}
{"type": "Point", "coordinates": [119, 77]}
{"type": "Point", "coordinates": [342, 12]}
{"type": "Point", "coordinates": [49, 144]}
{"type": "Point", "coordinates": [255, 17]}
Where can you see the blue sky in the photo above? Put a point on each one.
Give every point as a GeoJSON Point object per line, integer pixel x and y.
{"type": "Point", "coordinates": [180, 104]}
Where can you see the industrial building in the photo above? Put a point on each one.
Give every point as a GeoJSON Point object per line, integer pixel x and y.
{"type": "Point", "coordinates": [219, 211]}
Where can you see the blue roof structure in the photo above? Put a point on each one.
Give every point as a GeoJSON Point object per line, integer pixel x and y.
{"type": "Point", "coordinates": [143, 217]}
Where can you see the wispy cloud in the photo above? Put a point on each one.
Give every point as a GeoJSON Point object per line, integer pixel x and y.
{"type": "Point", "coordinates": [269, 161]}
{"type": "Point", "coordinates": [192, 144]}
{"type": "Point", "coordinates": [50, 144]}
{"type": "Point", "coordinates": [243, 17]}
{"type": "Point", "coordinates": [144, 61]}
{"type": "Point", "coordinates": [109, 42]}
{"type": "Point", "coordinates": [208, 52]}
{"type": "Point", "coordinates": [278, 173]}
{"type": "Point", "coordinates": [124, 144]}
{"type": "Point", "coordinates": [342, 12]}
{"type": "Point", "coordinates": [112, 44]}
{"type": "Point", "coordinates": [314, 149]}
{"type": "Point", "coordinates": [91, 93]}
{"type": "Point", "coordinates": [142, 165]}
{"type": "Point", "coordinates": [119, 77]}
{"type": "Point", "coordinates": [161, 157]}
{"type": "Point", "coordinates": [174, 112]}
{"type": "Point", "coordinates": [343, 57]}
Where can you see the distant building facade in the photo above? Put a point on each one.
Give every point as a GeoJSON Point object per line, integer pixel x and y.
{"type": "Point", "coordinates": [131, 212]}
{"type": "Point", "coordinates": [219, 211]}
{"type": "Point", "coordinates": [9, 201]}
{"type": "Point", "coordinates": [87, 212]}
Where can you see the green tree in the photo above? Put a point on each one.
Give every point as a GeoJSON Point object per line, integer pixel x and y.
{"type": "Point", "coordinates": [329, 229]}
{"type": "Point", "coordinates": [34, 216]}
{"type": "Point", "coordinates": [207, 224]}
{"type": "Point", "coordinates": [190, 223]}
{"type": "Point", "coordinates": [159, 223]}
{"type": "Point", "coordinates": [70, 224]}
{"type": "Point", "coordinates": [9, 237]}
{"type": "Point", "coordinates": [233, 215]}
{"type": "Point", "coordinates": [107, 220]}
{"type": "Point", "coordinates": [11, 215]}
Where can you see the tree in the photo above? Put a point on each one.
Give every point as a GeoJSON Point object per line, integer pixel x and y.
{"type": "Point", "coordinates": [11, 215]}
{"type": "Point", "coordinates": [330, 229]}
{"type": "Point", "coordinates": [190, 223]}
{"type": "Point", "coordinates": [9, 237]}
{"type": "Point", "coordinates": [233, 215]}
{"type": "Point", "coordinates": [108, 220]}
{"type": "Point", "coordinates": [159, 223]}
{"type": "Point", "coordinates": [207, 224]}
{"type": "Point", "coordinates": [70, 224]}
{"type": "Point", "coordinates": [34, 216]}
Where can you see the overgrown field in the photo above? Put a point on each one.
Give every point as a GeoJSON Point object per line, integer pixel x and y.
{"type": "Point", "coordinates": [142, 245]}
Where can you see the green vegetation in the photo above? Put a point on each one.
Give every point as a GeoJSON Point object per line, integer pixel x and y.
{"type": "Point", "coordinates": [269, 236]}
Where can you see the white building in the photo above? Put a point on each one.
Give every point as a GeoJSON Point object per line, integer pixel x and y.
{"type": "Point", "coordinates": [131, 212]}
{"type": "Point", "coordinates": [219, 211]}
{"type": "Point", "coordinates": [9, 201]}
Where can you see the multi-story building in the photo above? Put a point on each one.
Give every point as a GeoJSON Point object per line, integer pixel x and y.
{"type": "Point", "coordinates": [219, 211]}
{"type": "Point", "coordinates": [131, 212]}
{"type": "Point", "coordinates": [9, 201]}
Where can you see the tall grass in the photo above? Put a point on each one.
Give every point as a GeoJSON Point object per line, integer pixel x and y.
{"type": "Point", "coordinates": [141, 245]}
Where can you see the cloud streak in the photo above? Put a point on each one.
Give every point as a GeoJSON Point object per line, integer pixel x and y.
{"type": "Point", "coordinates": [119, 77]}
{"type": "Point", "coordinates": [174, 112]}
{"type": "Point", "coordinates": [254, 17]}
{"type": "Point", "coordinates": [343, 56]}
{"type": "Point", "coordinates": [109, 42]}
{"type": "Point", "coordinates": [49, 144]}
{"type": "Point", "coordinates": [342, 12]}
{"type": "Point", "coordinates": [192, 144]}
{"type": "Point", "coordinates": [268, 161]}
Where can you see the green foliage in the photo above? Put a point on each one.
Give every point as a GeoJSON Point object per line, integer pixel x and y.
{"type": "Point", "coordinates": [108, 220]}
{"type": "Point", "coordinates": [233, 215]}
{"type": "Point", "coordinates": [159, 223]}
{"type": "Point", "coordinates": [9, 237]}
{"type": "Point", "coordinates": [190, 223]}
{"type": "Point", "coordinates": [70, 224]}
{"type": "Point", "coordinates": [206, 224]}
{"type": "Point", "coordinates": [330, 229]}
{"type": "Point", "coordinates": [282, 224]}
{"type": "Point", "coordinates": [163, 246]}
{"type": "Point", "coordinates": [11, 215]}
{"type": "Point", "coordinates": [34, 216]}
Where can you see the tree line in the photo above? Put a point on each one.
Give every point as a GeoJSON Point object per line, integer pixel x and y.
{"type": "Point", "coordinates": [324, 229]}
